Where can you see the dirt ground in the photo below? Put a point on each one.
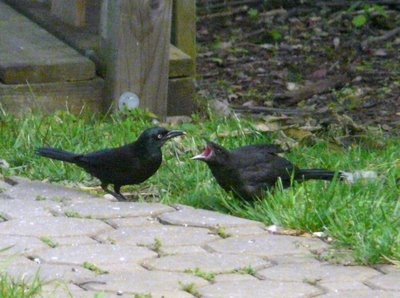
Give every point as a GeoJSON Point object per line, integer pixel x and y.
{"type": "Point", "coordinates": [321, 62]}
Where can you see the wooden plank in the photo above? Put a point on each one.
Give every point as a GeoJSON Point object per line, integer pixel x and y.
{"type": "Point", "coordinates": [184, 36]}
{"type": "Point", "coordinates": [180, 96]}
{"type": "Point", "coordinates": [72, 12]}
{"type": "Point", "coordinates": [29, 53]}
{"type": "Point", "coordinates": [76, 97]}
{"type": "Point", "coordinates": [137, 38]}
{"type": "Point", "coordinates": [84, 39]}
{"type": "Point", "coordinates": [180, 64]}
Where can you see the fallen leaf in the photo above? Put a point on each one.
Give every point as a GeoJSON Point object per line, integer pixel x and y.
{"type": "Point", "coordinates": [321, 235]}
{"type": "Point", "coordinates": [278, 230]}
{"type": "Point", "coordinates": [285, 142]}
{"type": "Point", "coordinates": [176, 120]}
{"type": "Point", "coordinates": [380, 53]}
{"type": "Point", "coordinates": [267, 127]}
{"type": "Point", "coordinates": [233, 133]}
{"type": "Point", "coordinates": [298, 133]}
{"type": "Point", "coordinates": [250, 103]}
{"type": "Point", "coordinates": [267, 46]}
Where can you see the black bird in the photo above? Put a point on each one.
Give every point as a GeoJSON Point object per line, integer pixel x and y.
{"type": "Point", "coordinates": [129, 164]}
{"type": "Point", "coordinates": [250, 170]}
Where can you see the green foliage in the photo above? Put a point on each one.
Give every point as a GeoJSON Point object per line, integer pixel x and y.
{"type": "Point", "coordinates": [359, 21]}
{"type": "Point", "coordinates": [11, 288]}
{"type": "Point", "coordinates": [276, 35]}
{"type": "Point", "coordinates": [253, 13]}
{"type": "Point", "coordinates": [217, 60]}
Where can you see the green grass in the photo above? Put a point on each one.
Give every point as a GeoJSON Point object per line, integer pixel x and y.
{"type": "Point", "coordinates": [10, 288]}
{"type": "Point", "coordinates": [364, 216]}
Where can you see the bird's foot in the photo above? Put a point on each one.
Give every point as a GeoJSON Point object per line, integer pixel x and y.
{"type": "Point", "coordinates": [120, 197]}
{"type": "Point", "coordinates": [116, 194]}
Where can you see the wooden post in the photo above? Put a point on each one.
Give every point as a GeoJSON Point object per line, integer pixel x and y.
{"type": "Point", "coordinates": [72, 12]}
{"type": "Point", "coordinates": [184, 36]}
{"type": "Point", "coordinates": [136, 42]}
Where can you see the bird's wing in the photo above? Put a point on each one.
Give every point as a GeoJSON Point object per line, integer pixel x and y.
{"type": "Point", "coordinates": [258, 167]}
{"type": "Point", "coordinates": [261, 148]}
{"type": "Point", "coordinates": [109, 159]}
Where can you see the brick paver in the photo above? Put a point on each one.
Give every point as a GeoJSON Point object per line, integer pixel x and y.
{"type": "Point", "coordinates": [81, 245]}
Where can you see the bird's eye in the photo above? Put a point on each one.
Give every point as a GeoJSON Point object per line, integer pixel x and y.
{"type": "Point", "coordinates": [159, 136]}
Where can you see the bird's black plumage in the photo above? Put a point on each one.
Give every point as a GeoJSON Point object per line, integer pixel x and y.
{"type": "Point", "coordinates": [129, 164]}
{"type": "Point", "coordinates": [250, 170]}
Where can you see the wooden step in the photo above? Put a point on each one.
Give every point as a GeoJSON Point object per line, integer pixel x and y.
{"type": "Point", "coordinates": [87, 40]}
{"type": "Point", "coordinates": [86, 96]}
{"type": "Point", "coordinates": [28, 53]}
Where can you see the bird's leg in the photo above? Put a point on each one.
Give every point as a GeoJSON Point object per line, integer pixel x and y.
{"type": "Point", "coordinates": [120, 197]}
{"type": "Point", "coordinates": [115, 194]}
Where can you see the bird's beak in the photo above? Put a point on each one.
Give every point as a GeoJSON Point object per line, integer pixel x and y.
{"type": "Point", "coordinates": [199, 157]}
{"type": "Point", "coordinates": [173, 134]}
{"type": "Point", "coordinates": [204, 155]}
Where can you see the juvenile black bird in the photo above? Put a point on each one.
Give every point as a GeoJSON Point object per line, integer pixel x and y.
{"type": "Point", "coordinates": [129, 164]}
{"type": "Point", "coordinates": [250, 170]}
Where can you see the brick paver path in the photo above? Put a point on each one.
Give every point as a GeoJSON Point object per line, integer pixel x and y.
{"type": "Point", "coordinates": [81, 245]}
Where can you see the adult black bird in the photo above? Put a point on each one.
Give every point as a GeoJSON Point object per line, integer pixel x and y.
{"type": "Point", "coordinates": [250, 170]}
{"type": "Point", "coordinates": [129, 164]}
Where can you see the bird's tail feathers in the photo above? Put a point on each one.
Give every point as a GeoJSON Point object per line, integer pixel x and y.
{"type": "Point", "coordinates": [318, 174]}
{"type": "Point", "coordinates": [57, 154]}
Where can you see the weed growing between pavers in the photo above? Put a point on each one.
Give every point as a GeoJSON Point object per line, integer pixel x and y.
{"type": "Point", "coordinates": [92, 267]}
{"type": "Point", "coordinates": [111, 241]}
{"type": "Point", "coordinates": [142, 296]}
{"type": "Point", "coordinates": [49, 242]}
{"type": "Point", "coordinates": [209, 276]}
{"type": "Point", "coordinates": [40, 198]}
{"type": "Point", "coordinates": [245, 270]}
{"type": "Point", "coordinates": [191, 289]}
{"type": "Point", "coordinates": [363, 216]}
{"type": "Point", "coordinates": [14, 288]}
{"type": "Point", "coordinates": [221, 232]}
{"type": "Point", "coordinates": [101, 295]}
{"type": "Point", "coordinates": [156, 246]}
{"type": "Point", "coordinates": [73, 214]}
{"type": "Point", "coordinates": [76, 214]}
